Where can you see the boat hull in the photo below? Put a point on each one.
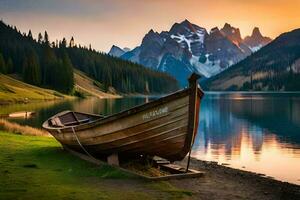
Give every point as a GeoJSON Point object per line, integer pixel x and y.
{"type": "Point", "coordinates": [165, 127]}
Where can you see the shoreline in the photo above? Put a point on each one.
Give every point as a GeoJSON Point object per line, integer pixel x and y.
{"type": "Point", "coordinates": [223, 182]}
{"type": "Point", "coordinates": [4, 102]}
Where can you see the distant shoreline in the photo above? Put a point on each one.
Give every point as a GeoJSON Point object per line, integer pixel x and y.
{"type": "Point", "coordinates": [4, 102]}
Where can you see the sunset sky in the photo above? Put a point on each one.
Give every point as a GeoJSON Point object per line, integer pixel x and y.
{"type": "Point", "coordinates": [124, 22]}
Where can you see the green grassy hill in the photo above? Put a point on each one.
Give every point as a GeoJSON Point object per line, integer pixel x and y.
{"type": "Point", "coordinates": [15, 91]}
{"type": "Point", "coordinates": [88, 86]}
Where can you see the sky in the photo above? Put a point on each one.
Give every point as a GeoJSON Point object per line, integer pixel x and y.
{"type": "Point", "coordinates": [103, 23]}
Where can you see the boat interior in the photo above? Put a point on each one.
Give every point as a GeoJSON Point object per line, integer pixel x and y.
{"type": "Point", "coordinates": [72, 119]}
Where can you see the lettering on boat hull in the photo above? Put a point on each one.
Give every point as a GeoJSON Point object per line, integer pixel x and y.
{"type": "Point", "coordinates": [155, 113]}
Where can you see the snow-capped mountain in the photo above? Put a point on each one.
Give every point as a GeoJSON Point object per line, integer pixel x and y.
{"type": "Point", "coordinates": [186, 48]}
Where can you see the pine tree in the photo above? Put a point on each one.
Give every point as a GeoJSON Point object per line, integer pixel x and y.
{"type": "Point", "coordinates": [71, 44]}
{"type": "Point", "coordinates": [31, 68]}
{"type": "Point", "coordinates": [29, 35]}
{"type": "Point", "coordinates": [67, 70]}
{"type": "Point", "coordinates": [46, 39]}
{"type": "Point", "coordinates": [9, 65]}
{"type": "Point", "coordinates": [2, 65]}
{"type": "Point", "coordinates": [63, 43]}
{"type": "Point", "coordinates": [49, 61]}
{"type": "Point", "coordinates": [25, 68]}
{"type": "Point", "coordinates": [40, 38]}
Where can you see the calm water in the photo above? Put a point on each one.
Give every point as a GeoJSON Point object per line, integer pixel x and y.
{"type": "Point", "coordinates": [258, 132]}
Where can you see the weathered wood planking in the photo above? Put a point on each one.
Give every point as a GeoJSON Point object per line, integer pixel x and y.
{"type": "Point", "coordinates": [165, 127]}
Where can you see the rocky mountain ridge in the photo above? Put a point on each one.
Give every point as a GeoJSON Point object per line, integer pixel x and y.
{"type": "Point", "coordinates": [188, 48]}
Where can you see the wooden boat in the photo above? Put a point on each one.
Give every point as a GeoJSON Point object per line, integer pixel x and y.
{"type": "Point", "coordinates": [165, 127]}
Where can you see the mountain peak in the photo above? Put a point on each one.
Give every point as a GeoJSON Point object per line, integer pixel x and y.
{"type": "Point", "coordinates": [185, 27]}
{"type": "Point", "coordinates": [232, 33]}
{"type": "Point", "coordinates": [116, 51]}
{"type": "Point", "coordinates": [214, 30]}
{"type": "Point", "coordinates": [151, 31]}
{"type": "Point", "coordinates": [256, 32]}
{"type": "Point", "coordinates": [256, 40]}
{"type": "Point", "coordinates": [226, 26]}
{"type": "Point", "coordinates": [152, 35]}
{"type": "Point", "coordinates": [186, 22]}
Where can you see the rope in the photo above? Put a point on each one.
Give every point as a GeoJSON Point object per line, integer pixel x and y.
{"type": "Point", "coordinates": [82, 145]}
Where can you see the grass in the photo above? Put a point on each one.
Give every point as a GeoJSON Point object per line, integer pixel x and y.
{"type": "Point", "coordinates": [169, 188]}
{"type": "Point", "coordinates": [15, 91]}
{"type": "Point", "coordinates": [88, 86]}
{"type": "Point", "coordinates": [35, 167]}
{"type": "Point", "coordinates": [143, 168]}
{"type": "Point", "coordinates": [22, 130]}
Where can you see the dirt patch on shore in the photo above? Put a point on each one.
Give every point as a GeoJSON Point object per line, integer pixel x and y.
{"type": "Point", "coordinates": [221, 182]}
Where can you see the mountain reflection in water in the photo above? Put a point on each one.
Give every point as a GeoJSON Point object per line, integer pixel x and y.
{"type": "Point", "coordinates": [255, 132]}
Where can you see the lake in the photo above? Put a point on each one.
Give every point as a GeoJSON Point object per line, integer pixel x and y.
{"type": "Point", "coordinates": [257, 132]}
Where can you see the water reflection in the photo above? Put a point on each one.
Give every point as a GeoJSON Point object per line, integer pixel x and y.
{"type": "Point", "coordinates": [90, 105]}
{"type": "Point", "coordinates": [106, 106]}
{"type": "Point", "coordinates": [255, 132]}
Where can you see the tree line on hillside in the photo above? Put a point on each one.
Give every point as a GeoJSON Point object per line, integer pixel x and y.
{"type": "Point", "coordinates": [37, 62]}
{"type": "Point", "coordinates": [124, 76]}
{"type": "Point", "coordinates": [50, 64]}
